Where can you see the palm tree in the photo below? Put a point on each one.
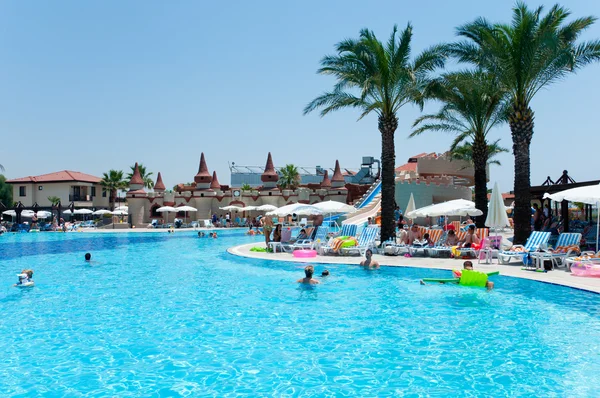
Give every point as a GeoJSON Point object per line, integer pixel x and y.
{"type": "Point", "coordinates": [527, 55]}
{"type": "Point", "coordinates": [465, 152]}
{"type": "Point", "coordinates": [290, 178]}
{"type": "Point", "coordinates": [148, 182]}
{"type": "Point", "coordinates": [473, 104]}
{"type": "Point", "coordinates": [246, 187]}
{"type": "Point", "coordinates": [53, 200]}
{"type": "Point", "coordinates": [378, 78]}
{"type": "Point", "coordinates": [112, 182]}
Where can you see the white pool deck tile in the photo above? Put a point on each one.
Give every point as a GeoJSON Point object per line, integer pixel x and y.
{"type": "Point", "coordinates": [558, 277]}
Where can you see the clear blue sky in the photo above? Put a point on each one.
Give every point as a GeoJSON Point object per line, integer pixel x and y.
{"type": "Point", "coordinates": [95, 85]}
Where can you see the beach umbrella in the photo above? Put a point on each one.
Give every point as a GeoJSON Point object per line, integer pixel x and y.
{"type": "Point", "coordinates": [411, 205]}
{"type": "Point", "coordinates": [10, 213]}
{"type": "Point", "coordinates": [68, 211]}
{"type": "Point", "coordinates": [266, 208]}
{"type": "Point", "coordinates": [295, 208]}
{"type": "Point", "coordinates": [496, 217]}
{"type": "Point", "coordinates": [83, 211]}
{"type": "Point", "coordinates": [119, 213]}
{"type": "Point", "coordinates": [589, 195]}
{"type": "Point", "coordinates": [457, 207]}
{"type": "Point", "coordinates": [124, 208]}
{"type": "Point", "coordinates": [332, 206]}
{"type": "Point", "coordinates": [101, 212]}
{"type": "Point", "coordinates": [232, 208]}
{"type": "Point", "coordinates": [185, 209]}
{"type": "Point", "coordinates": [167, 209]}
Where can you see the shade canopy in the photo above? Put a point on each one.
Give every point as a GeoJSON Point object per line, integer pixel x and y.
{"type": "Point", "coordinates": [124, 208]}
{"type": "Point", "coordinates": [101, 212]}
{"type": "Point", "coordinates": [232, 208]}
{"type": "Point", "coordinates": [167, 209]}
{"type": "Point", "coordinates": [411, 204]}
{"type": "Point", "coordinates": [457, 207]}
{"type": "Point", "coordinates": [11, 213]}
{"type": "Point", "coordinates": [248, 208]}
{"type": "Point", "coordinates": [496, 217]}
{"type": "Point", "coordinates": [589, 195]}
{"type": "Point", "coordinates": [265, 208]}
{"type": "Point", "coordinates": [295, 208]}
{"type": "Point", "coordinates": [83, 211]}
{"type": "Point", "coordinates": [186, 208]}
{"type": "Point", "coordinates": [119, 213]}
{"type": "Point", "coordinates": [332, 206]}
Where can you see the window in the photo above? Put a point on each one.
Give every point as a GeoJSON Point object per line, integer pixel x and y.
{"type": "Point", "coordinates": [93, 192]}
{"type": "Point", "coordinates": [40, 188]}
{"type": "Point", "coordinates": [104, 193]}
{"type": "Point", "coordinates": [22, 191]}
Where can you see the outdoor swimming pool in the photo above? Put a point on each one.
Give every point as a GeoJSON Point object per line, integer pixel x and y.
{"type": "Point", "coordinates": [169, 315]}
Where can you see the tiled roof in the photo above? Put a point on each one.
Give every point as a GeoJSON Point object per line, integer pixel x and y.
{"type": "Point", "coordinates": [203, 176]}
{"type": "Point", "coordinates": [159, 186]}
{"type": "Point", "coordinates": [407, 167]}
{"type": "Point", "coordinates": [326, 183]}
{"type": "Point", "coordinates": [215, 181]}
{"type": "Point", "coordinates": [337, 173]}
{"type": "Point", "coordinates": [59, 176]}
{"type": "Point", "coordinates": [269, 174]}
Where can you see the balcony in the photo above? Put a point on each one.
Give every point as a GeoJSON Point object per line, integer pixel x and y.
{"type": "Point", "coordinates": [80, 198]}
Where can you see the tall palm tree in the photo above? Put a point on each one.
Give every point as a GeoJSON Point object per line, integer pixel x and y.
{"type": "Point", "coordinates": [148, 182]}
{"type": "Point", "coordinates": [472, 104]}
{"type": "Point", "coordinates": [527, 55]}
{"type": "Point", "coordinates": [379, 78]}
{"type": "Point", "coordinates": [290, 178]}
{"type": "Point", "coordinates": [112, 182]}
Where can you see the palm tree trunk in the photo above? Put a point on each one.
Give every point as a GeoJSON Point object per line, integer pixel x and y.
{"type": "Point", "coordinates": [521, 126]}
{"type": "Point", "coordinates": [387, 127]}
{"type": "Point", "coordinates": [480, 159]}
{"type": "Point", "coordinates": [113, 198]}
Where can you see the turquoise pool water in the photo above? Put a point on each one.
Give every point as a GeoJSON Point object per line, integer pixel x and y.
{"type": "Point", "coordinates": [162, 315]}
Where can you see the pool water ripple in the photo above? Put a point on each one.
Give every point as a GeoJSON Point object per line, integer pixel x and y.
{"type": "Point", "coordinates": [175, 315]}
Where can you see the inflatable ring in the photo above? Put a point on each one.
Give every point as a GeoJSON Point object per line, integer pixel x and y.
{"type": "Point", "coordinates": [305, 253]}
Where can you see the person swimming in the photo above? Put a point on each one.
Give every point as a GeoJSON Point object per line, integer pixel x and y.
{"type": "Point", "coordinates": [324, 273]}
{"type": "Point", "coordinates": [309, 270]}
{"type": "Point", "coordinates": [88, 257]}
{"type": "Point", "coordinates": [201, 234]}
{"type": "Point", "coordinates": [25, 278]}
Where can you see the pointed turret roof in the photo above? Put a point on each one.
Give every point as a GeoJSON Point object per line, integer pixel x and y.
{"type": "Point", "coordinates": [159, 186]}
{"type": "Point", "coordinates": [203, 173]}
{"type": "Point", "coordinates": [269, 175]}
{"type": "Point", "coordinates": [326, 183]}
{"type": "Point", "coordinates": [136, 178]}
{"type": "Point", "coordinates": [337, 173]}
{"type": "Point", "coordinates": [215, 181]}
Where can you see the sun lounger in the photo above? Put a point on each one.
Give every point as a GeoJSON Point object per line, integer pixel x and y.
{"type": "Point", "coordinates": [284, 245]}
{"type": "Point", "coordinates": [366, 240]}
{"type": "Point", "coordinates": [536, 240]}
{"type": "Point", "coordinates": [566, 246]}
{"type": "Point", "coordinates": [308, 244]}
{"type": "Point", "coordinates": [347, 230]}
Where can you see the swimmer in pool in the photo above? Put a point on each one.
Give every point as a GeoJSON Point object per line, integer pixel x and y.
{"type": "Point", "coordinates": [469, 266]}
{"type": "Point", "coordinates": [88, 257]}
{"type": "Point", "coordinates": [324, 273]}
{"type": "Point", "coordinates": [368, 262]}
{"type": "Point", "coordinates": [308, 279]}
{"type": "Point", "coordinates": [25, 278]}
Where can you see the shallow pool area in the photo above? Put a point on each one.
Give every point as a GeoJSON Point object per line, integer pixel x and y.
{"type": "Point", "coordinates": [159, 314]}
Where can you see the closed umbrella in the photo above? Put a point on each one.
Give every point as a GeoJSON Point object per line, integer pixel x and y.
{"type": "Point", "coordinates": [411, 205]}
{"type": "Point", "coordinates": [589, 195]}
{"type": "Point", "coordinates": [496, 217]}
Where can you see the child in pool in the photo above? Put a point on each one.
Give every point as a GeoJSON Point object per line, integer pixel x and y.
{"type": "Point", "coordinates": [25, 278]}
{"type": "Point", "coordinates": [468, 265]}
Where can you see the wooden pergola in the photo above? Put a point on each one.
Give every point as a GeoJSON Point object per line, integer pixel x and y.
{"type": "Point", "coordinates": [562, 183]}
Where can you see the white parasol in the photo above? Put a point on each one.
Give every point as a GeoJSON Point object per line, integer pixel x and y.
{"type": "Point", "coordinates": [496, 217]}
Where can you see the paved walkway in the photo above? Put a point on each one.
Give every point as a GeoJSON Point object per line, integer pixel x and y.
{"type": "Point", "coordinates": [558, 277]}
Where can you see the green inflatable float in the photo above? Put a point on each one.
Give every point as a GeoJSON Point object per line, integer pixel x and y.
{"type": "Point", "coordinates": [467, 278]}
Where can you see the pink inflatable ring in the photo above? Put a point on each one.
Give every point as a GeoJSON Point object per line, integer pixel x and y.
{"type": "Point", "coordinates": [305, 253]}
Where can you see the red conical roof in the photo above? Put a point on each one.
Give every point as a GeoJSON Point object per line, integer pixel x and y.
{"type": "Point", "coordinates": [326, 183]}
{"type": "Point", "coordinates": [136, 178]}
{"type": "Point", "coordinates": [203, 174]}
{"type": "Point", "coordinates": [270, 174]}
{"type": "Point", "coordinates": [159, 186]}
{"type": "Point", "coordinates": [215, 181]}
{"type": "Point", "coordinates": [337, 173]}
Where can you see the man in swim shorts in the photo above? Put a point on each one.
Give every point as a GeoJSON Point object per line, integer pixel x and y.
{"type": "Point", "coordinates": [309, 271]}
{"type": "Point", "coordinates": [368, 262]}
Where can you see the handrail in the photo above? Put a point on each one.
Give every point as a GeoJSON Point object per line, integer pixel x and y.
{"type": "Point", "coordinates": [369, 195]}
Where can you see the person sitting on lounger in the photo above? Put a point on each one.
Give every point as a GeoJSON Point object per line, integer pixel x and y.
{"type": "Point", "coordinates": [277, 233]}
{"type": "Point", "coordinates": [471, 237]}
{"type": "Point", "coordinates": [302, 235]}
{"type": "Point", "coordinates": [413, 235]}
{"type": "Point", "coordinates": [368, 262]}
{"type": "Point", "coordinates": [308, 279]}
{"type": "Point", "coordinates": [451, 239]}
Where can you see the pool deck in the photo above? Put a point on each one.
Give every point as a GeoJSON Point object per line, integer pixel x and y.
{"type": "Point", "coordinates": [557, 277]}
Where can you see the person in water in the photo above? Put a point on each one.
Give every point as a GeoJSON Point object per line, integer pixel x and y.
{"type": "Point", "coordinates": [25, 278]}
{"type": "Point", "coordinates": [215, 236]}
{"type": "Point", "coordinates": [201, 234]}
{"type": "Point", "coordinates": [309, 271]}
{"type": "Point", "coordinates": [325, 273]}
{"type": "Point", "coordinates": [368, 262]}
{"type": "Point", "coordinates": [468, 265]}
{"type": "Point", "coordinates": [88, 257]}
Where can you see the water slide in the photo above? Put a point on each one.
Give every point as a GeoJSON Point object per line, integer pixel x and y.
{"type": "Point", "coordinates": [369, 207]}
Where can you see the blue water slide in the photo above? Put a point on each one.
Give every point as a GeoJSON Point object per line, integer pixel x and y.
{"type": "Point", "coordinates": [371, 195]}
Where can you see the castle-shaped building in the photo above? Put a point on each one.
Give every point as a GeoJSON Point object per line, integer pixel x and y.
{"type": "Point", "coordinates": [208, 196]}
